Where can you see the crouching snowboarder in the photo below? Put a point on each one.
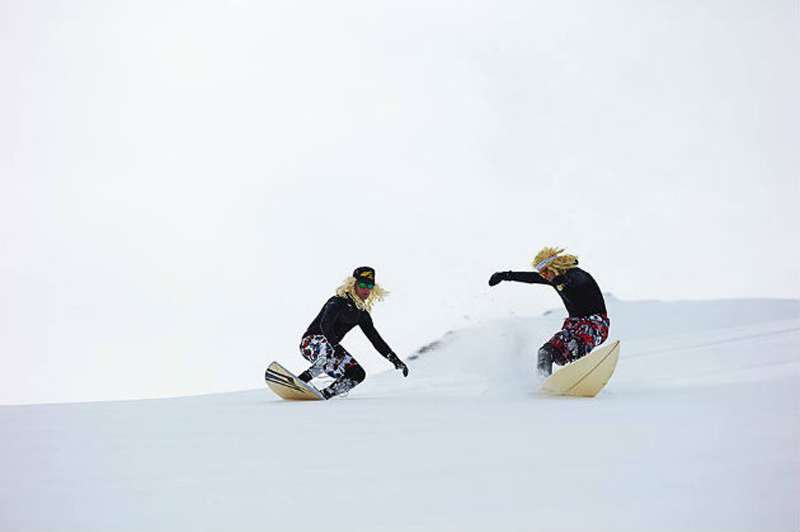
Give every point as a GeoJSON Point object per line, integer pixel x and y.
{"type": "Point", "coordinates": [320, 345]}
{"type": "Point", "coordinates": [587, 324]}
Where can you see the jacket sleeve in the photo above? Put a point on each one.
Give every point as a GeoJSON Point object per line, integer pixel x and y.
{"type": "Point", "coordinates": [329, 314]}
{"type": "Point", "coordinates": [526, 277]}
{"type": "Point", "coordinates": [377, 342]}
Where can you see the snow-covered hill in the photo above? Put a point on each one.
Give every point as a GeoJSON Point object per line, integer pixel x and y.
{"type": "Point", "coordinates": [699, 429]}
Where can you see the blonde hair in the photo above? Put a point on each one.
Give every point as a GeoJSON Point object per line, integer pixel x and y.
{"type": "Point", "coordinates": [348, 287]}
{"type": "Point", "coordinates": [556, 262]}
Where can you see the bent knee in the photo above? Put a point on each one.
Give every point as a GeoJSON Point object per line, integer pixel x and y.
{"type": "Point", "coordinates": [356, 373]}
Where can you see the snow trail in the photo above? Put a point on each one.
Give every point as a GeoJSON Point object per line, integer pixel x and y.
{"type": "Point", "coordinates": [698, 430]}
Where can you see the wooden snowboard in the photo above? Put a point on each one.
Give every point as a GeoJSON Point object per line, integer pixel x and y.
{"type": "Point", "coordinates": [586, 376]}
{"type": "Point", "coordinates": [286, 386]}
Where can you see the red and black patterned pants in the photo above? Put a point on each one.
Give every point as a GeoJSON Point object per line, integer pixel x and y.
{"type": "Point", "coordinates": [578, 336]}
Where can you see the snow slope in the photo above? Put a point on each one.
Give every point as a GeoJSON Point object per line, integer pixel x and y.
{"type": "Point", "coordinates": [699, 429]}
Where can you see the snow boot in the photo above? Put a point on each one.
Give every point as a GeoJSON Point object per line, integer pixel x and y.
{"type": "Point", "coordinates": [352, 377]}
{"type": "Point", "coordinates": [544, 364]}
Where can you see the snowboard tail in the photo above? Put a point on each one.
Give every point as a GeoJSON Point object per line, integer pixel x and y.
{"type": "Point", "coordinates": [287, 386]}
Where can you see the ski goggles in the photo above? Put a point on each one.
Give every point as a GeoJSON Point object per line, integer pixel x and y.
{"type": "Point", "coordinates": [366, 285]}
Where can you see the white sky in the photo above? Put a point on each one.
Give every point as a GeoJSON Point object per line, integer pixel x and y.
{"type": "Point", "coordinates": [183, 184]}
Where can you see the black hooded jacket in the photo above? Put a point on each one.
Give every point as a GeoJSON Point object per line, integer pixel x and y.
{"type": "Point", "coordinates": [578, 290]}
{"type": "Point", "coordinates": [338, 316]}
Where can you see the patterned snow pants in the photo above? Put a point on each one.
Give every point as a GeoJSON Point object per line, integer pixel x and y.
{"type": "Point", "coordinates": [578, 336]}
{"type": "Point", "coordinates": [334, 362]}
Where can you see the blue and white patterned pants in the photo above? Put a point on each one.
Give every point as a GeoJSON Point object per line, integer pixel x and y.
{"type": "Point", "coordinates": [325, 358]}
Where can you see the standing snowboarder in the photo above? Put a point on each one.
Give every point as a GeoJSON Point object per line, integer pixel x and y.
{"type": "Point", "coordinates": [587, 324]}
{"type": "Point", "coordinates": [320, 345]}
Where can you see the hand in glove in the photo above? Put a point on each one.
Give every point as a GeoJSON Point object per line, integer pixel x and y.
{"type": "Point", "coordinates": [402, 366]}
{"type": "Point", "coordinates": [497, 277]}
{"type": "Point", "coordinates": [398, 364]}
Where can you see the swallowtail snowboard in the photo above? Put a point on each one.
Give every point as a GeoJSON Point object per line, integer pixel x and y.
{"type": "Point", "coordinates": [586, 376]}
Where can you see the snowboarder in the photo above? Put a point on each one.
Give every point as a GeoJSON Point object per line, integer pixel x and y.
{"type": "Point", "coordinates": [587, 324]}
{"type": "Point", "coordinates": [320, 345]}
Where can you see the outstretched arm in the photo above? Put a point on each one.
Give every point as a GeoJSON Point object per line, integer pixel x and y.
{"type": "Point", "coordinates": [521, 277]}
{"type": "Point", "coordinates": [382, 347]}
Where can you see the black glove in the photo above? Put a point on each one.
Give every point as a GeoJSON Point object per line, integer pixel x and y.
{"type": "Point", "coordinates": [402, 366]}
{"type": "Point", "coordinates": [497, 277]}
{"type": "Point", "coordinates": [398, 364]}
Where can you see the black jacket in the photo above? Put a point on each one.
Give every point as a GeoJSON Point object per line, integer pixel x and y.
{"type": "Point", "coordinates": [578, 290]}
{"type": "Point", "coordinates": [338, 316]}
